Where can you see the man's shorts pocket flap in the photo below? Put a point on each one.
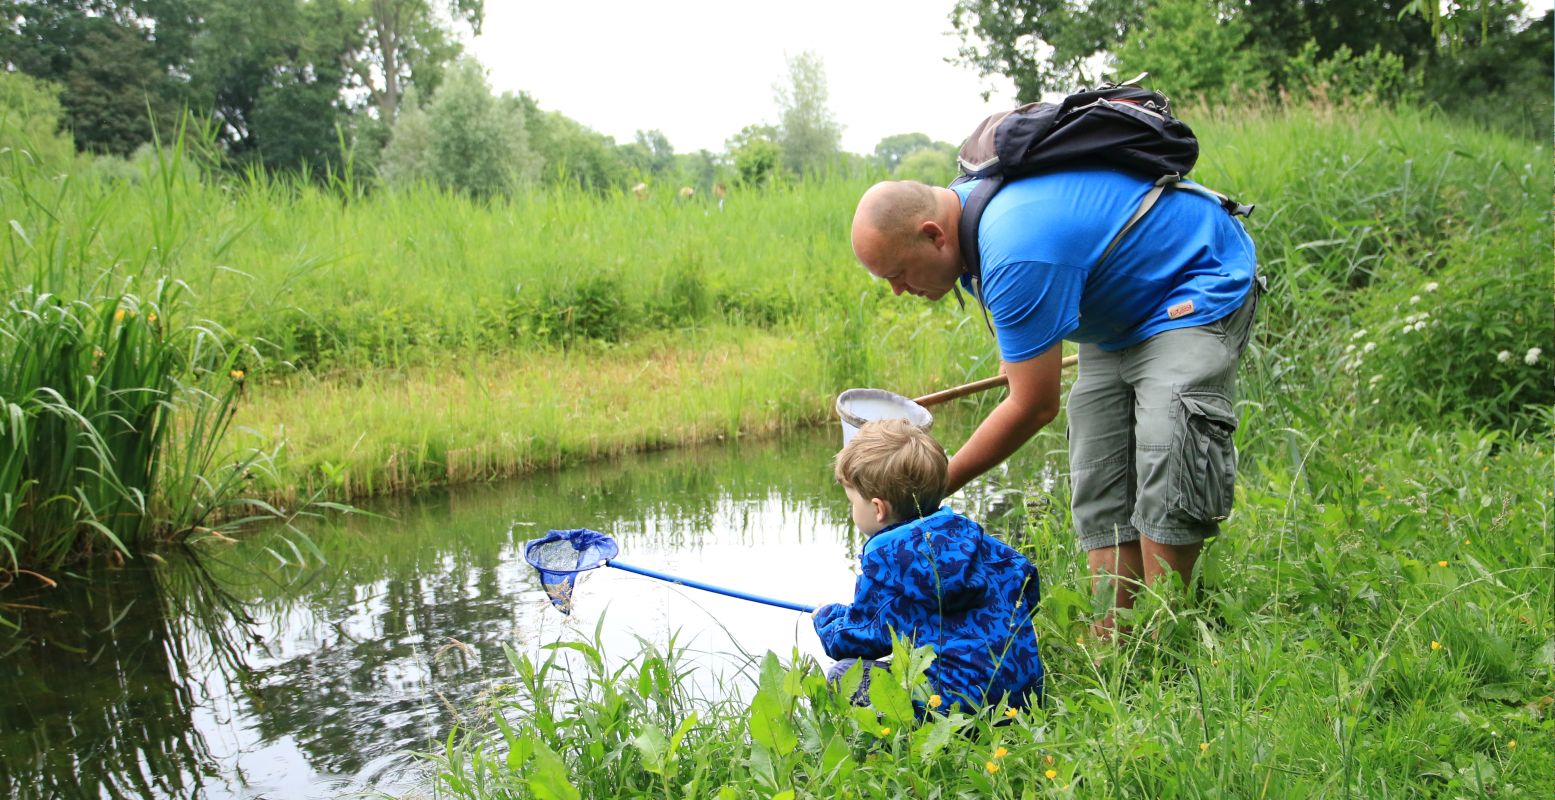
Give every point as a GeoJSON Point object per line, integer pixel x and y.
{"type": "Point", "coordinates": [1215, 410]}
{"type": "Point", "coordinates": [1203, 461]}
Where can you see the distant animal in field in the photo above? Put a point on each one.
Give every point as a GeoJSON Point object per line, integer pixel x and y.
{"type": "Point", "coordinates": [641, 191]}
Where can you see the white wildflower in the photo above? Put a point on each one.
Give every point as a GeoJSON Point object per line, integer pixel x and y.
{"type": "Point", "coordinates": [1350, 348]}
{"type": "Point", "coordinates": [1432, 286]}
{"type": "Point", "coordinates": [1504, 356]}
{"type": "Point", "coordinates": [1425, 315]}
{"type": "Point", "coordinates": [1414, 298]}
{"type": "Point", "coordinates": [1375, 378]}
{"type": "Point", "coordinates": [1370, 346]}
{"type": "Point", "coordinates": [1358, 334]}
{"type": "Point", "coordinates": [1532, 357]}
{"type": "Point", "coordinates": [1410, 320]}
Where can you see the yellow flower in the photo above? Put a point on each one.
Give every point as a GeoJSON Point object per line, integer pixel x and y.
{"type": "Point", "coordinates": [991, 767]}
{"type": "Point", "coordinates": [1203, 747]}
{"type": "Point", "coordinates": [935, 701]}
{"type": "Point", "coordinates": [118, 316]}
{"type": "Point", "coordinates": [236, 374]}
{"type": "Point", "coordinates": [152, 317]}
{"type": "Point", "coordinates": [1435, 645]}
{"type": "Point", "coordinates": [1441, 563]}
{"type": "Point", "coordinates": [1000, 752]}
{"type": "Point", "coordinates": [1051, 774]}
{"type": "Point", "coordinates": [1012, 712]}
{"type": "Point", "coordinates": [885, 731]}
{"type": "Point", "coordinates": [1511, 744]}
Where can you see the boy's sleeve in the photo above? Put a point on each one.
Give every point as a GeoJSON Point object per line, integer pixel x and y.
{"type": "Point", "coordinates": [862, 629]}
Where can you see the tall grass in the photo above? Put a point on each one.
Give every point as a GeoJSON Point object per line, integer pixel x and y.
{"type": "Point", "coordinates": [110, 395]}
{"type": "Point", "coordinates": [1375, 622]}
{"type": "Point", "coordinates": [402, 338]}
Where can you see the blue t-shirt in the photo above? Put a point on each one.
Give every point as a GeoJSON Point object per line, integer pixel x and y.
{"type": "Point", "coordinates": [1185, 263]}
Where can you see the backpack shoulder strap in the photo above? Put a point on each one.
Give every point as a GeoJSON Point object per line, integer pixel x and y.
{"type": "Point", "coordinates": [966, 236]}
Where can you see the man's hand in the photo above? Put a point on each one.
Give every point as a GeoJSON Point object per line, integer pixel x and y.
{"type": "Point", "coordinates": [1032, 404]}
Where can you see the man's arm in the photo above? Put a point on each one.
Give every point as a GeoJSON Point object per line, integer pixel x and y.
{"type": "Point", "coordinates": [1032, 404]}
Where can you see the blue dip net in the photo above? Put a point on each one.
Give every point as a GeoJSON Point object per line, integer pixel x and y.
{"type": "Point", "coordinates": [560, 555]}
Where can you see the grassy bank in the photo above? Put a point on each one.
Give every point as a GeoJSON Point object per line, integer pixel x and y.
{"type": "Point", "coordinates": [390, 340]}
{"type": "Point", "coordinates": [1376, 622]}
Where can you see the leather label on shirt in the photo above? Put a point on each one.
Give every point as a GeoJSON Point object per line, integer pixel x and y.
{"type": "Point", "coordinates": [1180, 310]}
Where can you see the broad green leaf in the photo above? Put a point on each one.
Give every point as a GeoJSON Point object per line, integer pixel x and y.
{"type": "Point", "coordinates": [548, 778]}
{"type": "Point", "coordinates": [890, 699]}
{"type": "Point", "coordinates": [769, 725]}
{"type": "Point", "coordinates": [651, 742]}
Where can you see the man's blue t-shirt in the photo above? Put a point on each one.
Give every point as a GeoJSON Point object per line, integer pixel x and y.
{"type": "Point", "coordinates": [1185, 263]}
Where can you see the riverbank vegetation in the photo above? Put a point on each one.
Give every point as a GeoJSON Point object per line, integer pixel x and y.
{"type": "Point", "coordinates": [373, 341]}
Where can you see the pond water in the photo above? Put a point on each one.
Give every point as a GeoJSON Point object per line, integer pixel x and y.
{"type": "Point", "coordinates": [254, 670]}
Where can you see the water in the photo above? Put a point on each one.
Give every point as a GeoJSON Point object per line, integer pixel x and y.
{"type": "Point", "coordinates": [233, 672]}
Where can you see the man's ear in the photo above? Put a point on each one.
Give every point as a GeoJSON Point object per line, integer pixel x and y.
{"type": "Point", "coordinates": [932, 231]}
{"type": "Point", "coordinates": [882, 509]}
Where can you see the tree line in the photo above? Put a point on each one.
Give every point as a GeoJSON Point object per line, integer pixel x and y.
{"type": "Point", "coordinates": [382, 89]}
{"type": "Point", "coordinates": [371, 87]}
{"type": "Point", "coordinates": [1484, 59]}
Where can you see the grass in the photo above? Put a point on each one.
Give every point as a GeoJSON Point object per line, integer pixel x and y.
{"type": "Point", "coordinates": [1376, 622]}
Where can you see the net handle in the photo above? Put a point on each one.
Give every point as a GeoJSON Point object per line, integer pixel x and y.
{"type": "Point", "coordinates": [706, 587]}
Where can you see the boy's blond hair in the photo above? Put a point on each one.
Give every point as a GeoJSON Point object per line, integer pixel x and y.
{"type": "Point", "coordinates": [898, 462]}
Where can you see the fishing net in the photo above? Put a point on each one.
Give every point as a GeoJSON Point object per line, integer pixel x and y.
{"type": "Point", "coordinates": [560, 555]}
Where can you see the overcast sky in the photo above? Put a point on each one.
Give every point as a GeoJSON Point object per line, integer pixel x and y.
{"type": "Point", "coordinates": [700, 70]}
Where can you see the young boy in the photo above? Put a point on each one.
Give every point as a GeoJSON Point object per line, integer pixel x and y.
{"type": "Point", "coordinates": [932, 576]}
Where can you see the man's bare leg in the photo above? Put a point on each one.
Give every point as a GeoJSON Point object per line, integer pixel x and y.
{"type": "Point", "coordinates": [1160, 559]}
{"type": "Point", "coordinates": [1123, 565]}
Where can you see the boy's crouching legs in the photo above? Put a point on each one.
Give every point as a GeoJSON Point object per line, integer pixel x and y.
{"type": "Point", "coordinates": [837, 670]}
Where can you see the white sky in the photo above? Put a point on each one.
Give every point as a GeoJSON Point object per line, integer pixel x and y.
{"type": "Point", "coordinates": [700, 70]}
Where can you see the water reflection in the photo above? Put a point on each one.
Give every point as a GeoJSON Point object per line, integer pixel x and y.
{"type": "Point", "coordinates": [232, 672]}
{"type": "Point", "coordinates": [227, 675]}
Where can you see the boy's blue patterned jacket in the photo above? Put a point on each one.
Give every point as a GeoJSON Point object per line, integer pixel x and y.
{"type": "Point", "coordinates": [941, 581]}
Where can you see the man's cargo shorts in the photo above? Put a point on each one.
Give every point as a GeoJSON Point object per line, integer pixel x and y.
{"type": "Point", "coordinates": [1150, 428]}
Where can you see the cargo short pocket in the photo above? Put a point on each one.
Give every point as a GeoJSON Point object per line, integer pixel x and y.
{"type": "Point", "coordinates": [1203, 456]}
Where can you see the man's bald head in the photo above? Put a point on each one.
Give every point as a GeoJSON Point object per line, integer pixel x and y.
{"type": "Point", "coordinates": [904, 232]}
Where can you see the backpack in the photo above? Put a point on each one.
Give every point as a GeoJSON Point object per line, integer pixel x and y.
{"type": "Point", "coordinates": [1122, 125]}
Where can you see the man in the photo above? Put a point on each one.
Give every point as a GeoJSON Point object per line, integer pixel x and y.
{"type": "Point", "coordinates": [1161, 323]}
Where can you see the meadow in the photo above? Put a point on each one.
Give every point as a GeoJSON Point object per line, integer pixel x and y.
{"type": "Point", "coordinates": [1376, 622]}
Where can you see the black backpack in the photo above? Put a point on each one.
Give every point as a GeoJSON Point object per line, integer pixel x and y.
{"type": "Point", "coordinates": [1122, 125]}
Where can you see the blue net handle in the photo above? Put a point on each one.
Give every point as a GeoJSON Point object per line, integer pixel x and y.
{"type": "Point", "coordinates": [707, 587]}
{"type": "Point", "coordinates": [561, 554]}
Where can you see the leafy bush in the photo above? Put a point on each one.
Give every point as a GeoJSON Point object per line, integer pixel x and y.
{"type": "Point", "coordinates": [1467, 342]}
{"type": "Point", "coordinates": [1343, 76]}
{"type": "Point", "coordinates": [29, 125]}
{"type": "Point", "coordinates": [592, 308]}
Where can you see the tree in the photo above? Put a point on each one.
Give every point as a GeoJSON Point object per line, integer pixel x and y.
{"type": "Point", "coordinates": [114, 62]}
{"type": "Point", "coordinates": [411, 42]}
{"type": "Point", "coordinates": [932, 165]}
{"type": "Point", "coordinates": [272, 77]}
{"type": "Point", "coordinates": [809, 135]}
{"type": "Point", "coordinates": [29, 122]}
{"type": "Point", "coordinates": [573, 153]}
{"type": "Point", "coordinates": [756, 154]}
{"type": "Point", "coordinates": [890, 150]}
{"type": "Point", "coordinates": [1193, 49]}
{"type": "Point", "coordinates": [465, 139]}
{"type": "Point", "coordinates": [1041, 45]}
